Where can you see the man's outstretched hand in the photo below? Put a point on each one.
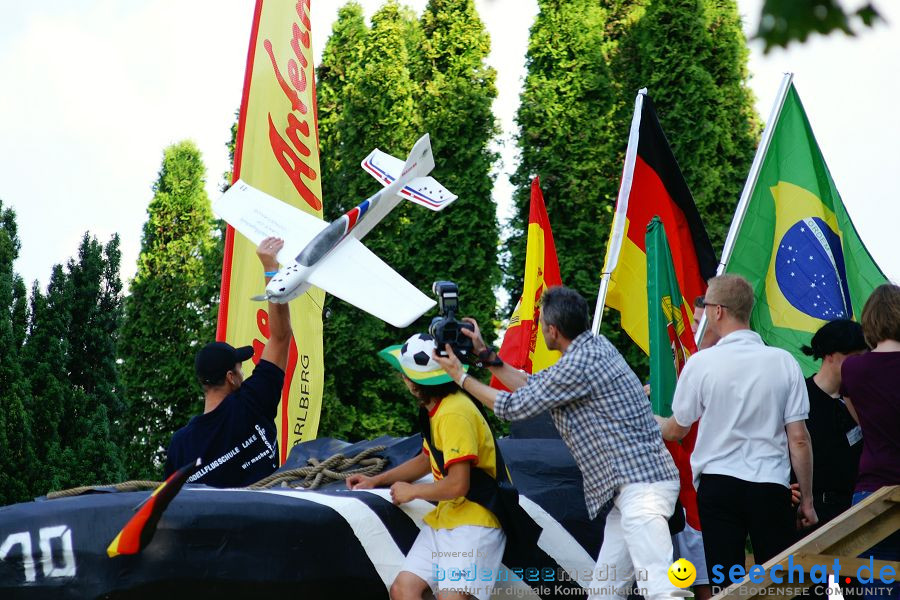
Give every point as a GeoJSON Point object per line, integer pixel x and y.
{"type": "Point", "coordinates": [268, 250]}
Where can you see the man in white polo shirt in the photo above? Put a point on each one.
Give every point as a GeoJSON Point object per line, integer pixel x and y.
{"type": "Point", "coordinates": [752, 404]}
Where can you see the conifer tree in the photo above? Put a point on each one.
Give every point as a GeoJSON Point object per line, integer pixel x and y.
{"type": "Point", "coordinates": [44, 359]}
{"type": "Point", "coordinates": [343, 53]}
{"type": "Point", "coordinates": [564, 138]}
{"type": "Point", "coordinates": [17, 456]}
{"type": "Point", "coordinates": [385, 86]}
{"type": "Point", "coordinates": [692, 57]}
{"type": "Point", "coordinates": [90, 453]}
{"type": "Point", "coordinates": [165, 315]}
{"type": "Point", "coordinates": [586, 63]}
{"type": "Point", "coordinates": [378, 109]}
{"type": "Point", "coordinates": [70, 356]}
{"type": "Point", "coordinates": [457, 91]}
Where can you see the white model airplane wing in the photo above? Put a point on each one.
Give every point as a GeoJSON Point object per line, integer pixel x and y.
{"type": "Point", "coordinates": [354, 274]}
{"type": "Point", "coordinates": [425, 191]}
{"type": "Point", "coordinates": [258, 215]}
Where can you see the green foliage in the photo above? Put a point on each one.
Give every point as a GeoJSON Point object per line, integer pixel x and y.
{"type": "Point", "coordinates": [564, 137]}
{"type": "Point", "coordinates": [458, 89]}
{"type": "Point", "coordinates": [377, 98]}
{"type": "Point", "coordinates": [17, 456]}
{"type": "Point", "coordinates": [698, 81]}
{"type": "Point", "coordinates": [384, 87]}
{"type": "Point", "coordinates": [44, 359]}
{"type": "Point", "coordinates": [343, 53]}
{"type": "Point", "coordinates": [70, 356]}
{"type": "Point", "coordinates": [586, 63]}
{"type": "Point", "coordinates": [167, 313]}
{"type": "Point", "coordinates": [782, 23]}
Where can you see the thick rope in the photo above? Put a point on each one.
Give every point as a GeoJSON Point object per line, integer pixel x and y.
{"type": "Point", "coordinates": [125, 486]}
{"type": "Point", "coordinates": [334, 468]}
{"type": "Point", "coordinates": [312, 476]}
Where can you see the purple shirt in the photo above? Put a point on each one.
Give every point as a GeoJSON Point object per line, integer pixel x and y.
{"type": "Point", "coordinates": [872, 383]}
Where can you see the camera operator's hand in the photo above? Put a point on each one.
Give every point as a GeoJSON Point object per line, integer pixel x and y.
{"type": "Point", "coordinates": [450, 363]}
{"type": "Point", "coordinates": [478, 345]}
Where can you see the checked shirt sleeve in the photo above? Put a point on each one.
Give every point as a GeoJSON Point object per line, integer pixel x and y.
{"type": "Point", "coordinates": [555, 386]}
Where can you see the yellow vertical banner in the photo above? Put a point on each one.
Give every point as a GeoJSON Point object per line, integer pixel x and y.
{"type": "Point", "coordinates": [277, 151]}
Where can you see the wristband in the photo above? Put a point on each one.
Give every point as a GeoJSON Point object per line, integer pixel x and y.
{"type": "Point", "coordinates": [462, 381]}
{"type": "Point", "coordinates": [483, 358]}
{"type": "Point", "coordinates": [271, 273]}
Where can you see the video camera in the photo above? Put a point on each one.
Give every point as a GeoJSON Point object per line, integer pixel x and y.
{"type": "Point", "coordinates": [445, 329]}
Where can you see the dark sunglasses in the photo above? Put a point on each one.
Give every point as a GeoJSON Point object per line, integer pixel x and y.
{"type": "Point", "coordinates": [704, 304]}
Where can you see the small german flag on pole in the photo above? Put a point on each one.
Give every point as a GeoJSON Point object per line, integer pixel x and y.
{"type": "Point", "coordinates": [139, 530]}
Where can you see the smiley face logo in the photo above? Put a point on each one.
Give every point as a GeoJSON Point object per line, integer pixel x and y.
{"type": "Point", "coordinates": [682, 573]}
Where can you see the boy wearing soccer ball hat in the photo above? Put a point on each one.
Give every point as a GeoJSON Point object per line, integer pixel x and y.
{"type": "Point", "coordinates": [460, 442]}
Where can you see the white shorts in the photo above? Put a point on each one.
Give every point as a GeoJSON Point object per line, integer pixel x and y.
{"type": "Point", "coordinates": [464, 559]}
{"type": "Point", "coordinates": [688, 544]}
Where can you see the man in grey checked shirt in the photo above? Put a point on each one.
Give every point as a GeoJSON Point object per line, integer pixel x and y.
{"type": "Point", "coordinates": [602, 413]}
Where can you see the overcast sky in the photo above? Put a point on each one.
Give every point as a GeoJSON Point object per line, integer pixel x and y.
{"type": "Point", "coordinates": [94, 90]}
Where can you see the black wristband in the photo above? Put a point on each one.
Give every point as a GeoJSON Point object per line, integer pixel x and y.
{"type": "Point", "coordinates": [484, 359]}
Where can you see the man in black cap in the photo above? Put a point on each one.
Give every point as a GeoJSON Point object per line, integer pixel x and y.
{"type": "Point", "coordinates": [235, 437]}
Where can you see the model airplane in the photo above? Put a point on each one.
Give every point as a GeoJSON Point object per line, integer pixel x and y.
{"type": "Point", "coordinates": [330, 255]}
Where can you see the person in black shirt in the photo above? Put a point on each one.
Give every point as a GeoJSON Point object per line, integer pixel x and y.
{"type": "Point", "coordinates": [235, 437]}
{"type": "Point", "coordinates": [836, 438]}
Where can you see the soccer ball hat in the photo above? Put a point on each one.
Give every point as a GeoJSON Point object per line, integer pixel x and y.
{"type": "Point", "coordinates": [414, 360]}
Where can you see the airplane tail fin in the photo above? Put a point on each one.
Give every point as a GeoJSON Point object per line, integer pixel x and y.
{"type": "Point", "coordinates": [420, 161]}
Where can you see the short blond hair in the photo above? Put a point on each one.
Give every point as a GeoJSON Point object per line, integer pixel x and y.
{"type": "Point", "coordinates": [734, 293]}
{"type": "Point", "coordinates": [881, 315]}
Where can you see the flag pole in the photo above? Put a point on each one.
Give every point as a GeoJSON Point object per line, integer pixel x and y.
{"type": "Point", "coordinates": [749, 187]}
{"type": "Point", "coordinates": [755, 168]}
{"type": "Point", "coordinates": [618, 225]}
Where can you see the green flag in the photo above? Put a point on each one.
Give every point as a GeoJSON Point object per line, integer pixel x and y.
{"type": "Point", "coordinates": [671, 338]}
{"type": "Point", "coordinates": [796, 243]}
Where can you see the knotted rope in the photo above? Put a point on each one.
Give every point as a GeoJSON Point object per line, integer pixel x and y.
{"type": "Point", "coordinates": [318, 473]}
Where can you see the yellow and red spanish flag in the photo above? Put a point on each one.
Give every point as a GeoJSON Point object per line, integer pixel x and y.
{"type": "Point", "coordinates": [139, 529]}
{"type": "Point", "coordinates": [652, 184]}
{"type": "Point", "coordinates": [523, 345]}
{"type": "Point", "coordinates": [277, 151]}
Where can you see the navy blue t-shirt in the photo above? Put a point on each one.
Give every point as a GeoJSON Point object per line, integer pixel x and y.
{"type": "Point", "coordinates": [237, 442]}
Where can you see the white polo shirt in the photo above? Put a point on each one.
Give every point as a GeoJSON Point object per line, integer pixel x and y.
{"type": "Point", "coordinates": [744, 393]}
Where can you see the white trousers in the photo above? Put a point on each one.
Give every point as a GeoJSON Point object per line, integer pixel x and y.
{"type": "Point", "coordinates": [637, 537]}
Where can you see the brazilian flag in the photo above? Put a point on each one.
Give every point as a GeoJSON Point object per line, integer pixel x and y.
{"type": "Point", "coordinates": [796, 243]}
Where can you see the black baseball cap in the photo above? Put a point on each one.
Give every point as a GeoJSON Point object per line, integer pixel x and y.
{"type": "Point", "coordinates": [215, 359]}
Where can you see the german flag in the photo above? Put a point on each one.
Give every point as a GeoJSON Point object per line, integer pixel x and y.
{"type": "Point", "coordinates": [652, 184]}
{"type": "Point", "coordinates": [523, 344]}
{"type": "Point", "coordinates": [139, 530]}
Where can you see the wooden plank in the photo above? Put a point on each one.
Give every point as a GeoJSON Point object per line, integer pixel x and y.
{"type": "Point", "coordinates": [845, 537]}
{"type": "Point", "coordinates": [856, 517]}
{"type": "Point", "coordinates": [857, 541]}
